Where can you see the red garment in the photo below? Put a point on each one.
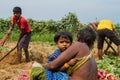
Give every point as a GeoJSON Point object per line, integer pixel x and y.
{"type": "Point", "coordinates": [22, 23]}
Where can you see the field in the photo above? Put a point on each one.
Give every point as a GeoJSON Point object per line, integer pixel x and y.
{"type": "Point", "coordinates": [38, 51]}
{"type": "Point", "coordinates": [44, 31]}
{"type": "Point", "coordinates": [9, 65]}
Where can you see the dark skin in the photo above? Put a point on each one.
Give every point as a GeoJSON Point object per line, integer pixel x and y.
{"type": "Point", "coordinates": [87, 71]}
{"type": "Point", "coordinates": [70, 63]}
{"type": "Point", "coordinates": [19, 50]}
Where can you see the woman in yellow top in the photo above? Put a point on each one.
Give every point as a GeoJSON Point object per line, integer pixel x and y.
{"type": "Point", "coordinates": [106, 28]}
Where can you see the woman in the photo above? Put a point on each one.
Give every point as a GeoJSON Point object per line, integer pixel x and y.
{"type": "Point", "coordinates": [85, 68]}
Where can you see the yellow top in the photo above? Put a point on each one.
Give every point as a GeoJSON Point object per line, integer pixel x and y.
{"type": "Point", "coordinates": [105, 24]}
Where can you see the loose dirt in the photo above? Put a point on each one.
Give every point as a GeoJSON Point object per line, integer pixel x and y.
{"type": "Point", "coordinates": [9, 67]}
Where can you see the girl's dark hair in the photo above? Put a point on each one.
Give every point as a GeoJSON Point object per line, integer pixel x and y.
{"type": "Point", "coordinates": [87, 35]}
{"type": "Point", "coordinates": [17, 9]}
{"type": "Point", "coordinates": [63, 34]}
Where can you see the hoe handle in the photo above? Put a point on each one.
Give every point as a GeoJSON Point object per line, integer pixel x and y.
{"type": "Point", "coordinates": [8, 53]}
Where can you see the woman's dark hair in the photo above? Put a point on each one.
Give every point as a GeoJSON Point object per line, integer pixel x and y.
{"type": "Point", "coordinates": [87, 35]}
{"type": "Point", "coordinates": [17, 9]}
{"type": "Point", "coordinates": [63, 34]}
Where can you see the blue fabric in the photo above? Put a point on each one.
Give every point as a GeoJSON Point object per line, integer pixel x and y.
{"type": "Point", "coordinates": [54, 55]}
{"type": "Point", "coordinates": [53, 75]}
{"type": "Point", "coordinates": [60, 76]}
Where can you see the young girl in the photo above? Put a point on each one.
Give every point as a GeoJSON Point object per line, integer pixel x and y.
{"type": "Point", "coordinates": [63, 40]}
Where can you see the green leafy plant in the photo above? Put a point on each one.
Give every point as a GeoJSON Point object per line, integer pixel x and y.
{"type": "Point", "coordinates": [110, 64]}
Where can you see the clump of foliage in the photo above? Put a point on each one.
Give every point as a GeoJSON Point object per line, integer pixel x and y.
{"type": "Point", "coordinates": [69, 23]}
{"type": "Point", "coordinates": [110, 64]}
{"type": "Point", "coordinates": [42, 28]}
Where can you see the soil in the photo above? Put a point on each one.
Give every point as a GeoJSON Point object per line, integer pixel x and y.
{"type": "Point", "coordinates": [9, 66]}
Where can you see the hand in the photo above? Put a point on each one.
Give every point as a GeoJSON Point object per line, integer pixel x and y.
{"type": "Point", "coordinates": [73, 61]}
{"type": "Point", "coordinates": [4, 39]}
{"type": "Point", "coordinates": [2, 43]}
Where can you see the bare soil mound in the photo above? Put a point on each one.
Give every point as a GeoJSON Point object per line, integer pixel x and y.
{"type": "Point", "coordinates": [9, 67]}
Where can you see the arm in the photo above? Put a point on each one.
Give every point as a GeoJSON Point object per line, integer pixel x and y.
{"type": "Point", "coordinates": [94, 25]}
{"type": "Point", "coordinates": [64, 57]}
{"type": "Point", "coordinates": [69, 63]}
{"type": "Point", "coordinates": [21, 34]}
{"type": "Point", "coordinates": [4, 39]}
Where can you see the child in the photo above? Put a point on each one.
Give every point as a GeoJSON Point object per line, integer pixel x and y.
{"type": "Point", "coordinates": [85, 68]}
{"type": "Point", "coordinates": [63, 40]}
{"type": "Point", "coordinates": [25, 33]}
